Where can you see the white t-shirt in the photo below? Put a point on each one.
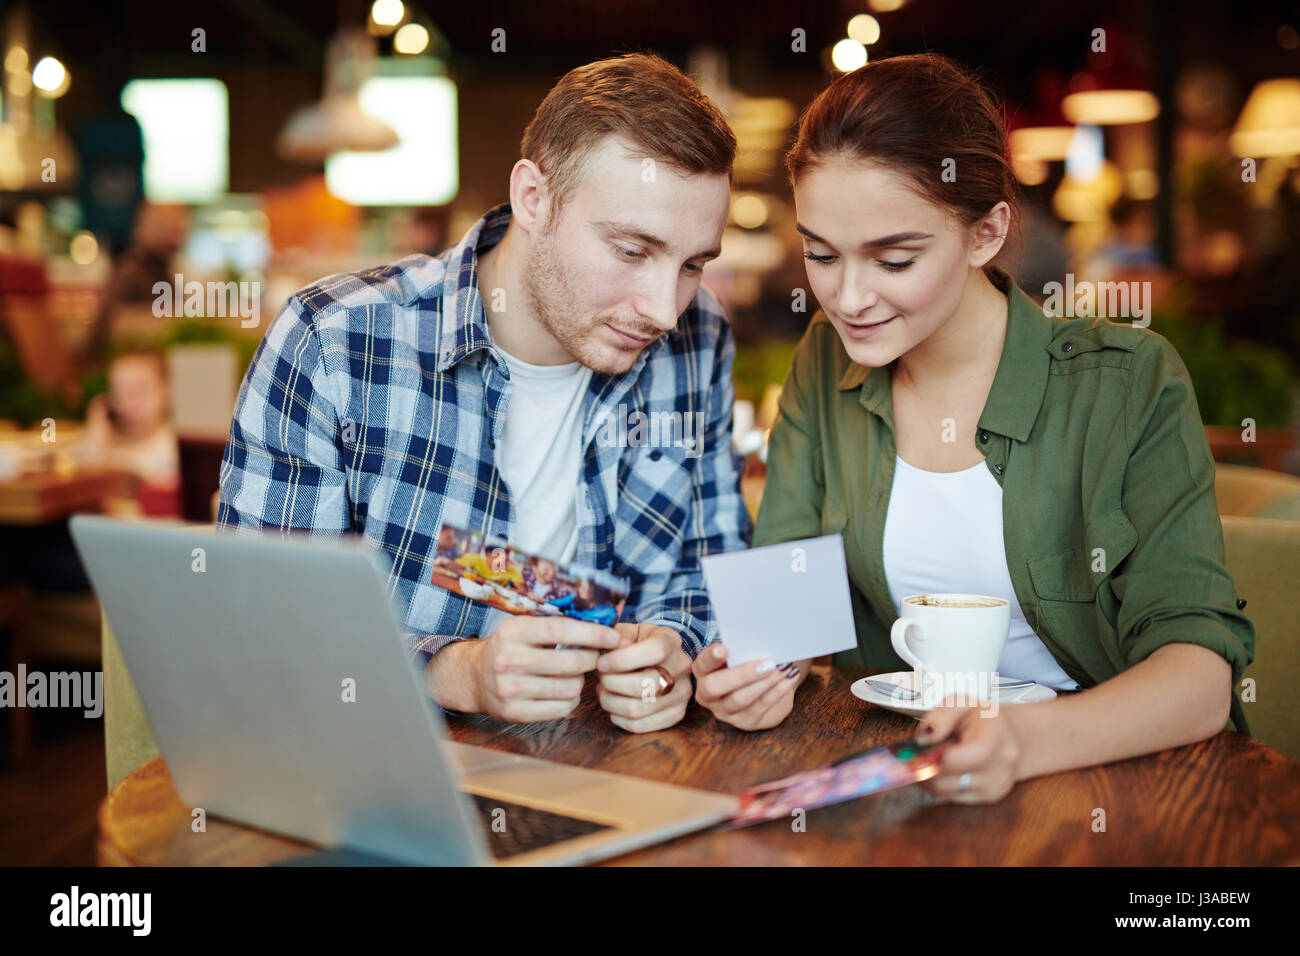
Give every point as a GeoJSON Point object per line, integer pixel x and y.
{"type": "Point", "coordinates": [943, 533]}
{"type": "Point", "coordinates": [539, 456]}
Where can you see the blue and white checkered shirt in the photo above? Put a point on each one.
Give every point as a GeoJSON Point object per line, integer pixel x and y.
{"type": "Point", "coordinates": [374, 405]}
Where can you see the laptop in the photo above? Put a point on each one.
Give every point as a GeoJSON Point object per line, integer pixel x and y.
{"type": "Point", "coordinates": [282, 694]}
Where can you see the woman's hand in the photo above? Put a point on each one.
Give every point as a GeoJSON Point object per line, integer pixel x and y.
{"type": "Point", "coordinates": [753, 696]}
{"type": "Point", "coordinates": [984, 745]}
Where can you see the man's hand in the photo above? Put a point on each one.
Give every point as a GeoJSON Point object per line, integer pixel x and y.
{"type": "Point", "coordinates": [752, 696]}
{"type": "Point", "coordinates": [629, 683]}
{"type": "Point", "coordinates": [518, 674]}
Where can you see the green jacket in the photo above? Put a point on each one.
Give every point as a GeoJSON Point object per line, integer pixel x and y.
{"type": "Point", "coordinates": [1092, 430]}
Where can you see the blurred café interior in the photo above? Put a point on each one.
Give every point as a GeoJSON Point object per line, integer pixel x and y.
{"type": "Point", "coordinates": [253, 146]}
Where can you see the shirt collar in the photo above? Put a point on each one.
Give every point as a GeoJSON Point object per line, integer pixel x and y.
{"type": "Point", "coordinates": [464, 324]}
{"type": "Point", "coordinates": [1021, 380]}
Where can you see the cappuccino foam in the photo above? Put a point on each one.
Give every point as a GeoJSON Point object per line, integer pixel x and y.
{"type": "Point", "coordinates": [927, 600]}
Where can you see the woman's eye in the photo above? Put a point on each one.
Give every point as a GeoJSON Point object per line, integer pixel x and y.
{"type": "Point", "coordinates": [692, 269]}
{"type": "Point", "coordinates": [813, 257]}
{"type": "Point", "coordinates": [895, 266]}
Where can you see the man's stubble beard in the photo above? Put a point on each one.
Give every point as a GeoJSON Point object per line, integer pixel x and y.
{"type": "Point", "coordinates": [546, 283]}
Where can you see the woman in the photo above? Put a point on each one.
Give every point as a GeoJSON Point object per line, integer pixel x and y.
{"type": "Point", "coordinates": [962, 441]}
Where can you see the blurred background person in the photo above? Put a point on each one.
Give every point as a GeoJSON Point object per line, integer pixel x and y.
{"type": "Point", "coordinates": [127, 428]}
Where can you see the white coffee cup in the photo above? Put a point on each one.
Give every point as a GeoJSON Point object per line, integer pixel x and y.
{"type": "Point", "coordinates": [954, 643]}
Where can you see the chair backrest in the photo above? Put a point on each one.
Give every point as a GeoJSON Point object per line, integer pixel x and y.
{"type": "Point", "coordinates": [1263, 556]}
{"type": "Point", "coordinates": [1256, 492]}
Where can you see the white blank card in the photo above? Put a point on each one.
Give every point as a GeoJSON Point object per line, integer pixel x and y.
{"type": "Point", "coordinates": [787, 601]}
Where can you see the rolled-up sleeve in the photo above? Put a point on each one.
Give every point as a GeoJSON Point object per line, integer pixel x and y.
{"type": "Point", "coordinates": [1174, 587]}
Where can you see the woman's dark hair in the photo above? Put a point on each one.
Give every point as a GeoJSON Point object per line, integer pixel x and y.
{"type": "Point", "coordinates": [914, 114]}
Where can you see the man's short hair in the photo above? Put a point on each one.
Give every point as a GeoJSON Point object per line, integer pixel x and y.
{"type": "Point", "coordinates": [640, 98]}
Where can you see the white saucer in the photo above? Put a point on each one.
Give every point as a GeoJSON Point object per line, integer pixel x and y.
{"type": "Point", "coordinates": [916, 708]}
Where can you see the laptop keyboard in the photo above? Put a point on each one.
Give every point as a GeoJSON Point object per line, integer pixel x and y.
{"type": "Point", "coordinates": [523, 828]}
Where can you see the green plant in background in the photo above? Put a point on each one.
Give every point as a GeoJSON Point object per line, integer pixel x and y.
{"type": "Point", "coordinates": [760, 364]}
{"type": "Point", "coordinates": [190, 331]}
{"type": "Point", "coordinates": [212, 332]}
{"type": "Point", "coordinates": [1233, 380]}
{"type": "Point", "coordinates": [21, 400]}
{"type": "Point", "coordinates": [24, 403]}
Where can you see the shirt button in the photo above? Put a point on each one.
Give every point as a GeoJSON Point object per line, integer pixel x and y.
{"type": "Point", "coordinates": [1241, 604]}
{"type": "Point", "coordinates": [997, 470]}
{"type": "Point", "coordinates": [492, 442]}
{"type": "Point", "coordinates": [984, 438]}
{"type": "Point", "coordinates": [655, 454]}
{"type": "Point", "coordinates": [1067, 347]}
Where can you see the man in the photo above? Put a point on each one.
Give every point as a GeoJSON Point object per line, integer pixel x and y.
{"type": "Point", "coordinates": [493, 388]}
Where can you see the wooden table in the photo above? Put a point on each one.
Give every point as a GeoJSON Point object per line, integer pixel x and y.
{"type": "Point", "coordinates": [1229, 800]}
{"type": "Point", "coordinates": [44, 496]}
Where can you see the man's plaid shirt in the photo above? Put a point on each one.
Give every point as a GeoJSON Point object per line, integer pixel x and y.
{"type": "Point", "coordinates": [374, 404]}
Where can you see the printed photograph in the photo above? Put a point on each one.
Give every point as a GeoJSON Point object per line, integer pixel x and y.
{"type": "Point", "coordinates": [490, 570]}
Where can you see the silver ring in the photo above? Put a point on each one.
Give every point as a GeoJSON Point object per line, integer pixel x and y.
{"type": "Point", "coordinates": [963, 783]}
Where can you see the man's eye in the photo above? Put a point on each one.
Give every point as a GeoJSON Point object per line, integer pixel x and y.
{"type": "Point", "coordinates": [895, 266]}
{"type": "Point", "coordinates": [813, 257]}
{"type": "Point", "coordinates": [630, 253]}
{"type": "Point", "coordinates": [693, 269]}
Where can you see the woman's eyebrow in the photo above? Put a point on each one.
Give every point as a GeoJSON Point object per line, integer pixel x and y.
{"type": "Point", "coordinates": [891, 240]}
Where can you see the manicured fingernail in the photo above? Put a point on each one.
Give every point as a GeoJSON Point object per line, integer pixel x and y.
{"type": "Point", "coordinates": [718, 651]}
{"type": "Point", "coordinates": [602, 664]}
{"type": "Point", "coordinates": [794, 672]}
{"type": "Point", "coordinates": [767, 666]}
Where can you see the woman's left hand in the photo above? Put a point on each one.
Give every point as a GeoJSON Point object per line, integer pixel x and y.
{"type": "Point", "coordinates": [984, 745]}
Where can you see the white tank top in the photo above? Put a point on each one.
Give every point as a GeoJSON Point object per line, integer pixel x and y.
{"type": "Point", "coordinates": [943, 533]}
